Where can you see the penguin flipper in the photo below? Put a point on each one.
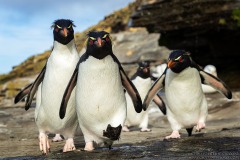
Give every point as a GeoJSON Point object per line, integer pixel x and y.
{"type": "Point", "coordinates": [132, 91]}
{"type": "Point", "coordinates": [160, 103]}
{"type": "Point", "coordinates": [216, 83]}
{"type": "Point", "coordinates": [72, 83]}
{"type": "Point", "coordinates": [156, 87]}
{"type": "Point", "coordinates": [22, 93]}
{"type": "Point", "coordinates": [34, 87]}
{"type": "Point", "coordinates": [213, 81]}
{"type": "Point", "coordinates": [129, 86]}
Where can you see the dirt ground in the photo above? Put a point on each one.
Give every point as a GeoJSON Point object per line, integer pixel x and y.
{"type": "Point", "coordinates": [220, 140]}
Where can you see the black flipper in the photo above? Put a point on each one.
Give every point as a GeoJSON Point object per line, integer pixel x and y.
{"type": "Point", "coordinates": [189, 130]}
{"type": "Point", "coordinates": [112, 133]}
{"type": "Point", "coordinates": [24, 92]}
{"type": "Point", "coordinates": [213, 81]}
{"type": "Point", "coordinates": [34, 87]}
{"type": "Point", "coordinates": [160, 103]}
{"type": "Point", "coordinates": [130, 88]}
{"type": "Point", "coordinates": [71, 84]}
{"type": "Point", "coordinates": [156, 87]}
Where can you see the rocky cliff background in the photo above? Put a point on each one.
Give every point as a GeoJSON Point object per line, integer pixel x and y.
{"type": "Point", "coordinates": [210, 30]}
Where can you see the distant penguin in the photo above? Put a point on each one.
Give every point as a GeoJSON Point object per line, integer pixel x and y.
{"type": "Point", "coordinates": [212, 70]}
{"type": "Point", "coordinates": [100, 81]}
{"type": "Point", "coordinates": [142, 80]}
{"type": "Point", "coordinates": [160, 69]}
{"type": "Point", "coordinates": [186, 102]}
{"type": "Point", "coordinates": [50, 86]}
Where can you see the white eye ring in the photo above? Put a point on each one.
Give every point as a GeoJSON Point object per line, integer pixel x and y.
{"type": "Point", "coordinates": [59, 27]}
{"type": "Point", "coordinates": [178, 58]}
{"type": "Point", "coordinates": [69, 26]}
{"type": "Point", "coordinates": [104, 36]}
{"type": "Point", "coordinates": [92, 38]}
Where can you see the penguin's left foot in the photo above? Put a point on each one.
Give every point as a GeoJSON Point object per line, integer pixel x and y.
{"type": "Point", "coordinates": [145, 130]}
{"type": "Point", "coordinates": [57, 138]}
{"type": "Point", "coordinates": [200, 125]}
{"type": "Point", "coordinates": [112, 133]}
{"type": "Point", "coordinates": [175, 134]}
{"type": "Point", "coordinates": [89, 146]}
{"type": "Point", "coordinates": [125, 129]}
{"type": "Point", "coordinates": [69, 145]}
{"type": "Point", "coordinates": [43, 143]}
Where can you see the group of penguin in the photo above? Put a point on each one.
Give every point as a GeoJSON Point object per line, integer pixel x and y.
{"type": "Point", "coordinates": [94, 92]}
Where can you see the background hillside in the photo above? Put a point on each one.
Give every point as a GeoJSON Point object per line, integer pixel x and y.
{"type": "Point", "coordinates": [209, 30]}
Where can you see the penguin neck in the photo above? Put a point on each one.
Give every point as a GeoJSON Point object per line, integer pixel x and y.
{"type": "Point", "coordinates": [71, 47]}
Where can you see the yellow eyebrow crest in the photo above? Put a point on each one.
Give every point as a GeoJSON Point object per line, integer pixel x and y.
{"type": "Point", "coordinates": [69, 26]}
{"type": "Point", "coordinates": [59, 27]}
{"type": "Point", "coordinates": [178, 58]}
{"type": "Point", "coordinates": [105, 36]}
{"type": "Point", "coordinates": [92, 38]}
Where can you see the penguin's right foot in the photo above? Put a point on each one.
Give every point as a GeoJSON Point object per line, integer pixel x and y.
{"type": "Point", "coordinates": [175, 134]}
{"type": "Point", "coordinates": [145, 129]}
{"type": "Point", "coordinates": [57, 138]}
{"type": "Point", "coordinates": [89, 146]}
{"type": "Point", "coordinates": [125, 129]}
{"type": "Point", "coordinates": [200, 125]}
{"type": "Point", "coordinates": [43, 143]}
{"type": "Point", "coordinates": [69, 145]}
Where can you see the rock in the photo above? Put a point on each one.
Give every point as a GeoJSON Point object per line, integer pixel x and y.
{"type": "Point", "coordinates": [210, 30]}
{"type": "Point", "coordinates": [137, 45]}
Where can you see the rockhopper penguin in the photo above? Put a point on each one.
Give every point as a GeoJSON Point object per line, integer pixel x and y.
{"type": "Point", "coordinates": [50, 86]}
{"type": "Point", "coordinates": [142, 80]}
{"type": "Point", "coordinates": [100, 81]}
{"type": "Point", "coordinates": [186, 102]}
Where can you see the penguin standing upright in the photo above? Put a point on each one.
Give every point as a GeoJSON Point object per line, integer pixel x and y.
{"type": "Point", "coordinates": [100, 98]}
{"type": "Point", "coordinates": [142, 80]}
{"type": "Point", "coordinates": [186, 102]}
{"type": "Point", "coordinates": [50, 86]}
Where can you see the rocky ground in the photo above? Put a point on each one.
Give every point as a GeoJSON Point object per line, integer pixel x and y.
{"type": "Point", "coordinates": [220, 140]}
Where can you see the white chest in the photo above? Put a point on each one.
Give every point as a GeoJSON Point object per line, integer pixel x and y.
{"type": "Point", "coordinates": [142, 85]}
{"type": "Point", "coordinates": [99, 87]}
{"type": "Point", "coordinates": [183, 90]}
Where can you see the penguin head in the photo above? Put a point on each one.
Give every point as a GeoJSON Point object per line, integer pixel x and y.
{"type": "Point", "coordinates": [99, 44]}
{"type": "Point", "coordinates": [143, 69]}
{"type": "Point", "coordinates": [179, 60]}
{"type": "Point", "coordinates": [63, 31]}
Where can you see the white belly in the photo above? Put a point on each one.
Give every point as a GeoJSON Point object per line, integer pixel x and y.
{"type": "Point", "coordinates": [58, 73]}
{"type": "Point", "coordinates": [184, 96]}
{"type": "Point", "coordinates": [99, 96]}
{"type": "Point", "coordinates": [143, 86]}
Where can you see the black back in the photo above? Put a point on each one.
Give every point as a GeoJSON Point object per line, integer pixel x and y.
{"type": "Point", "coordinates": [63, 31]}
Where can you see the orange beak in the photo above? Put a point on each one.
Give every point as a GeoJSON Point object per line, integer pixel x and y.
{"type": "Point", "coordinates": [171, 64]}
{"type": "Point", "coordinates": [65, 32]}
{"type": "Point", "coordinates": [99, 42]}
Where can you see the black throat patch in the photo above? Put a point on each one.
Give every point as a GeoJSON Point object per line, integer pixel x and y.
{"type": "Point", "coordinates": [113, 133]}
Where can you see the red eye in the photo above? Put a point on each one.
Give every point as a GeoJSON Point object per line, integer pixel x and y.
{"type": "Point", "coordinates": [91, 42]}
{"type": "Point", "coordinates": [56, 29]}
{"type": "Point", "coordinates": [180, 60]}
{"type": "Point", "coordinates": [107, 39]}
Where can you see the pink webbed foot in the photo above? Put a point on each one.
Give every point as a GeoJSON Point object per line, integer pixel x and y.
{"type": "Point", "coordinates": [57, 138]}
{"type": "Point", "coordinates": [145, 130]}
{"type": "Point", "coordinates": [175, 134]}
{"type": "Point", "coordinates": [125, 129]}
{"type": "Point", "coordinates": [69, 145]}
{"type": "Point", "coordinates": [200, 125]}
{"type": "Point", "coordinates": [89, 146]}
{"type": "Point", "coordinates": [43, 143]}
